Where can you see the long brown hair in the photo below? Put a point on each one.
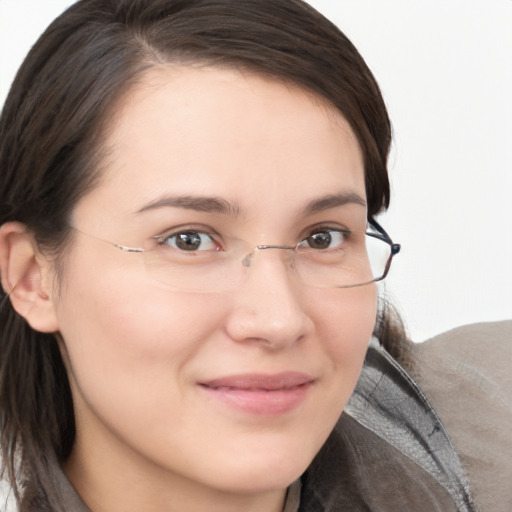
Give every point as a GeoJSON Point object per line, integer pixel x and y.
{"type": "Point", "coordinates": [50, 154]}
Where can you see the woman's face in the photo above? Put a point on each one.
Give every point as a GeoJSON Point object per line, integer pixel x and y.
{"type": "Point", "coordinates": [235, 390]}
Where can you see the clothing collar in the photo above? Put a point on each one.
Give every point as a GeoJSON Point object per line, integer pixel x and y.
{"type": "Point", "coordinates": [389, 451]}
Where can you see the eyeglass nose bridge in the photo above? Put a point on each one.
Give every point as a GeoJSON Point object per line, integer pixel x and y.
{"type": "Point", "coordinates": [247, 259]}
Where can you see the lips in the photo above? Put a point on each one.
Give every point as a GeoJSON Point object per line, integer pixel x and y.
{"type": "Point", "coordinates": [260, 394]}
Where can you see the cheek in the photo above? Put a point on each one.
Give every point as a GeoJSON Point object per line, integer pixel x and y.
{"type": "Point", "coordinates": [345, 329]}
{"type": "Point", "coordinates": [344, 322]}
{"type": "Point", "coordinates": [124, 332]}
{"type": "Point", "coordinates": [348, 322]}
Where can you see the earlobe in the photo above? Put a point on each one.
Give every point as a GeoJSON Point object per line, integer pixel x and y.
{"type": "Point", "coordinates": [24, 273]}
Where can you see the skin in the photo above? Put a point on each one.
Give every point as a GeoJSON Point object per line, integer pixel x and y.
{"type": "Point", "coordinates": [148, 436]}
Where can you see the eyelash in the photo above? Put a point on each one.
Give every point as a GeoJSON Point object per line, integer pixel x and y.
{"type": "Point", "coordinates": [318, 228]}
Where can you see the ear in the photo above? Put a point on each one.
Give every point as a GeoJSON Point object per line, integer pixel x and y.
{"type": "Point", "coordinates": [26, 277]}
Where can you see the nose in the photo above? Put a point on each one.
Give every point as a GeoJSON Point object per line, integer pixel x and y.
{"type": "Point", "coordinates": [268, 304]}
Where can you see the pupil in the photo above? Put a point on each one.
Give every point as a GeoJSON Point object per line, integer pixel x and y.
{"type": "Point", "coordinates": [188, 241]}
{"type": "Point", "coordinates": [320, 240]}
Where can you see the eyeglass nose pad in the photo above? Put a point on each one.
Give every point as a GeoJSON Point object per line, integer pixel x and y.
{"type": "Point", "coordinates": [247, 259]}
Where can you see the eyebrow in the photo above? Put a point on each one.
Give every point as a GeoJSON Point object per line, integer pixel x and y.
{"type": "Point", "coordinates": [197, 203]}
{"type": "Point", "coordinates": [333, 201]}
{"type": "Point", "coordinates": [209, 204]}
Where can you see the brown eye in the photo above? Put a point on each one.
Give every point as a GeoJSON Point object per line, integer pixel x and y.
{"type": "Point", "coordinates": [320, 240]}
{"type": "Point", "coordinates": [190, 241]}
{"type": "Point", "coordinates": [323, 240]}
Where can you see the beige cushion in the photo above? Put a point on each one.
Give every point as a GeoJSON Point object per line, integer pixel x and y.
{"type": "Point", "coordinates": [467, 375]}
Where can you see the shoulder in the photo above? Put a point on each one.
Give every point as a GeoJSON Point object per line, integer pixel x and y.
{"type": "Point", "coordinates": [466, 374]}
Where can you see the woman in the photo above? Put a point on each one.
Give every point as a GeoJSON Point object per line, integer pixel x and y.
{"type": "Point", "coordinates": [188, 195]}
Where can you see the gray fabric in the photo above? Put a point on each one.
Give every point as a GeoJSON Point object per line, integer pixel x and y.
{"type": "Point", "coordinates": [358, 471]}
{"type": "Point", "coordinates": [388, 402]}
{"type": "Point", "coordinates": [293, 497]}
{"type": "Point", "coordinates": [389, 451]}
{"type": "Point", "coordinates": [53, 492]}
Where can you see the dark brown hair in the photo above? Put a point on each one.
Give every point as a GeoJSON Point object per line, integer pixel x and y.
{"type": "Point", "coordinates": [50, 153]}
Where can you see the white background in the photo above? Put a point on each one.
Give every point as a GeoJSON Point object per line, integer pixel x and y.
{"type": "Point", "coordinates": [445, 68]}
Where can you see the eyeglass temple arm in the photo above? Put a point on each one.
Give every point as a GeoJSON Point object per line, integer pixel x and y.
{"type": "Point", "coordinates": [395, 248]}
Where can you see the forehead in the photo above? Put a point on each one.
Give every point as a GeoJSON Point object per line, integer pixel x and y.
{"type": "Point", "coordinates": [218, 132]}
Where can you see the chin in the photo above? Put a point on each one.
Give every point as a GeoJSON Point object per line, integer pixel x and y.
{"type": "Point", "coordinates": [253, 481]}
{"type": "Point", "coordinates": [267, 470]}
